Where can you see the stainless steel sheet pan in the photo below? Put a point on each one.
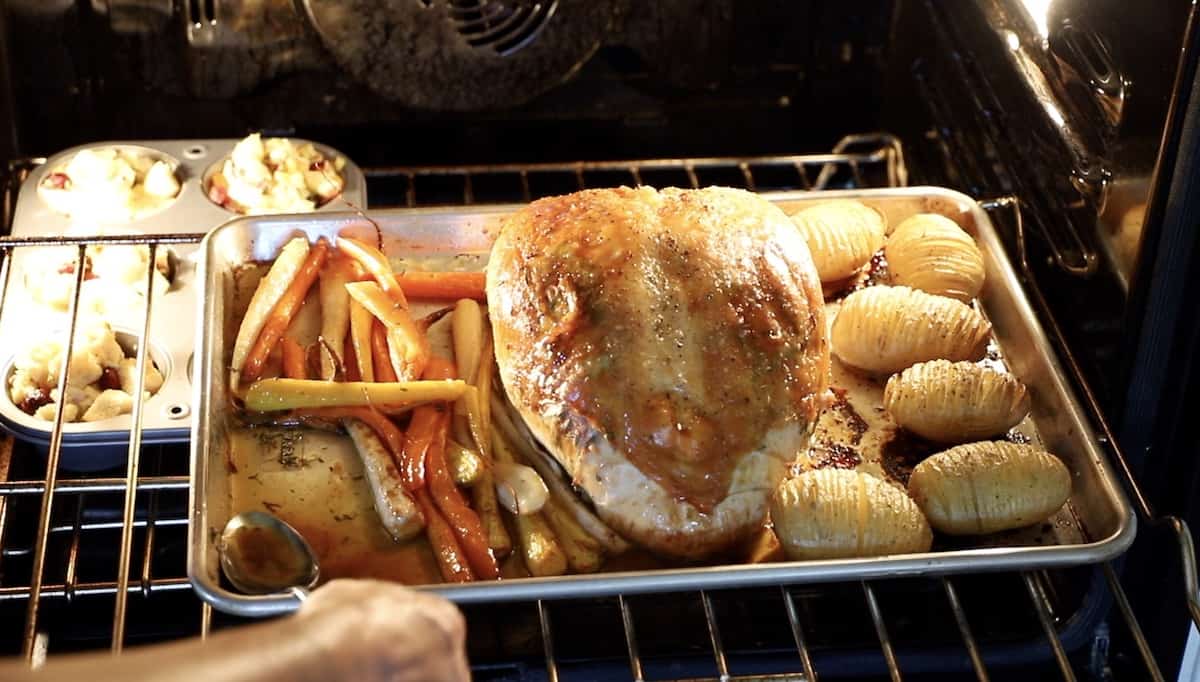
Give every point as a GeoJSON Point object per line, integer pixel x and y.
{"type": "Point", "coordinates": [1096, 524]}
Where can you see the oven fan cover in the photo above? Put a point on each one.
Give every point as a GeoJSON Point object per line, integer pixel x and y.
{"type": "Point", "coordinates": [462, 55]}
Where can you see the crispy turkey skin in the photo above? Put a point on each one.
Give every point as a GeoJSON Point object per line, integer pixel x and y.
{"type": "Point", "coordinates": [668, 348]}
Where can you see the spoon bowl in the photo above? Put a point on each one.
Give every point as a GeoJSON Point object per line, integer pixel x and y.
{"type": "Point", "coordinates": [262, 554]}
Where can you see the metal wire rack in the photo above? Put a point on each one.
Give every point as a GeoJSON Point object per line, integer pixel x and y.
{"type": "Point", "coordinates": [99, 561]}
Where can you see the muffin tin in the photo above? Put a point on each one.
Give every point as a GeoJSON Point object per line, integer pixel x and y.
{"type": "Point", "coordinates": [166, 414]}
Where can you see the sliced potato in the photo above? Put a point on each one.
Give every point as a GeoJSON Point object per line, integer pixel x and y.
{"type": "Point", "coordinates": [989, 486]}
{"type": "Point", "coordinates": [955, 402]}
{"type": "Point", "coordinates": [842, 235]}
{"type": "Point", "coordinates": [932, 253]}
{"type": "Point", "coordinates": [842, 513]}
{"type": "Point", "coordinates": [883, 329]}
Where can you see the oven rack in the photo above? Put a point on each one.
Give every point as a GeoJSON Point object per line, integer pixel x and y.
{"type": "Point", "coordinates": [148, 525]}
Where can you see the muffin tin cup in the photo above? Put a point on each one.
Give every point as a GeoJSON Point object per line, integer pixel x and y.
{"type": "Point", "coordinates": [89, 446]}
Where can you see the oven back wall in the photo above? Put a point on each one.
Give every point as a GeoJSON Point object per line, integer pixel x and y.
{"type": "Point", "coordinates": [670, 78]}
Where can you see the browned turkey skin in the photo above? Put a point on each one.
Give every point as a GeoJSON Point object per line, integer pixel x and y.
{"type": "Point", "coordinates": [668, 348]}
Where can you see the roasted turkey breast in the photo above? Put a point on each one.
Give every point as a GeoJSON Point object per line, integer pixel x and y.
{"type": "Point", "coordinates": [667, 348]}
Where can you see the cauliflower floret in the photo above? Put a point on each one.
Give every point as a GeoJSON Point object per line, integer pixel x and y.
{"type": "Point", "coordinates": [81, 397]}
{"type": "Point", "coordinates": [95, 353]}
{"type": "Point", "coordinates": [110, 403]}
{"type": "Point", "coordinates": [48, 411]}
{"type": "Point", "coordinates": [160, 181]}
{"type": "Point", "coordinates": [127, 370]}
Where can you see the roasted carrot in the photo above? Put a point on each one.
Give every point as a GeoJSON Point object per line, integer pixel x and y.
{"type": "Point", "coordinates": [445, 546]}
{"type": "Point", "coordinates": [379, 353]}
{"type": "Point", "coordinates": [451, 285]}
{"type": "Point", "coordinates": [350, 361]}
{"type": "Point", "coordinates": [407, 345]}
{"type": "Point", "coordinates": [454, 507]}
{"type": "Point", "coordinates": [281, 315]}
{"type": "Point", "coordinates": [294, 365]}
{"type": "Point", "coordinates": [417, 440]}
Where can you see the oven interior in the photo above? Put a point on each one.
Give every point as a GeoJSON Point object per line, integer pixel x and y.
{"type": "Point", "coordinates": [1051, 112]}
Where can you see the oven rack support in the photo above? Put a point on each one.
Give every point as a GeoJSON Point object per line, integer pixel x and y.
{"type": "Point", "coordinates": [875, 159]}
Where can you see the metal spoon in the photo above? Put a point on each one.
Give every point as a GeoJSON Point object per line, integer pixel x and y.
{"type": "Point", "coordinates": [262, 554]}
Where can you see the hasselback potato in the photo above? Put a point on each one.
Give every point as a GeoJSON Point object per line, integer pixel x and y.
{"type": "Point", "coordinates": [885, 329]}
{"type": "Point", "coordinates": [840, 513]}
{"type": "Point", "coordinates": [955, 402]}
{"type": "Point", "coordinates": [932, 253]}
{"type": "Point", "coordinates": [989, 486]}
{"type": "Point", "coordinates": [842, 235]}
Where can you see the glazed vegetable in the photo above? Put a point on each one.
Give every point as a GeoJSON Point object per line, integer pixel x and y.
{"type": "Point", "coordinates": [517, 435]}
{"type": "Point", "coordinates": [989, 486]}
{"type": "Point", "coordinates": [483, 498]}
{"type": "Point", "coordinates": [466, 466]}
{"type": "Point", "coordinates": [884, 329]}
{"type": "Point", "coordinates": [270, 289]}
{"type": "Point", "coordinates": [540, 549]}
{"type": "Point", "coordinates": [955, 402]}
{"type": "Point", "coordinates": [444, 285]}
{"type": "Point", "coordinates": [397, 510]}
{"type": "Point", "coordinates": [335, 311]}
{"type": "Point", "coordinates": [584, 552]}
{"type": "Point", "coordinates": [450, 559]}
{"type": "Point", "coordinates": [409, 347]}
{"type": "Point", "coordinates": [842, 235]}
{"type": "Point", "coordinates": [519, 488]}
{"type": "Point", "coordinates": [467, 331]}
{"type": "Point", "coordinates": [462, 519]}
{"type": "Point", "coordinates": [932, 253]}
{"type": "Point", "coordinates": [281, 315]}
{"type": "Point", "coordinates": [380, 360]}
{"type": "Point", "coordinates": [293, 359]}
{"type": "Point", "coordinates": [842, 513]}
{"type": "Point", "coordinates": [361, 325]}
{"type": "Point", "coordinates": [271, 395]}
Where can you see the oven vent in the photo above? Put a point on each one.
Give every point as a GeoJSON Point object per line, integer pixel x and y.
{"type": "Point", "coordinates": [503, 26]}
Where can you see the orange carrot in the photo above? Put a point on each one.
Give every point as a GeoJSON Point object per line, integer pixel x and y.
{"type": "Point", "coordinates": [450, 285]}
{"type": "Point", "coordinates": [445, 545]}
{"type": "Point", "coordinates": [450, 501]}
{"type": "Point", "coordinates": [350, 361]}
{"type": "Point", "coordinates": [281, 315]}
{"type": "Point", "coordinates": [294, 360]}
{"type": "Point", "coordinates": [379, 353]}
{"type": "Point", "coordinates": [422, 429]}
{"type": "Point", "coordinates": [417, 440]}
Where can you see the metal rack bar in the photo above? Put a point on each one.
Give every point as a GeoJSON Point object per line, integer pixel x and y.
{"type": "Point", "coordinates": [1041, 604]}
{"type": "Point", "coordinates": [547, 642]}
{"type": "Point", "coordinates": [635, 660]}
{"type": "Point", "coordinates": [885, 640]}
{"type": "Point", "coordinates": [789, 603]}
{"type": "Point", "coordinates": [964, 628]}
{"type": "Point", "coordinates": [97, 485]}
{"type": "Point", "coordinates": [43, 530]}
{"type": "Point", "coordinates": [714, 635]}
{"type": "Point", "coordinates": [1135, 628]}
{"type": "Point", "coordinates": [134, 458]}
